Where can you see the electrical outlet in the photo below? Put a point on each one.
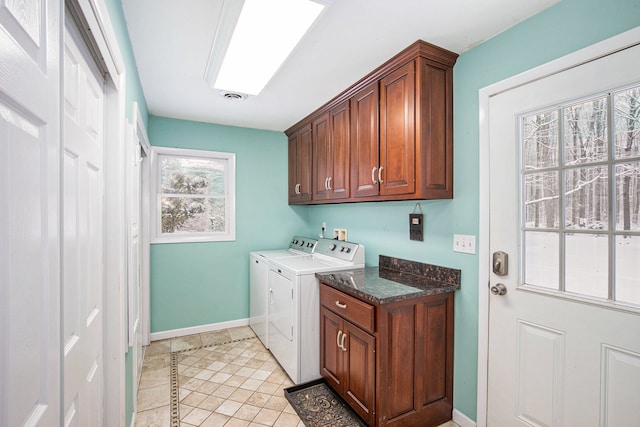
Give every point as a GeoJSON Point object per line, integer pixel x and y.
{"type": "Point", "coordinates": [340, 233]}
{"type": "Point", "coordinates": [464, 243]}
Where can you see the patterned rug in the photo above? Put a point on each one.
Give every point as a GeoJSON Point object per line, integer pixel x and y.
{"type": "Point", "coordinates": [319, 406]}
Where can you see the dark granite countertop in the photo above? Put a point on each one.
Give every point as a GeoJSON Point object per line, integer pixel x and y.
{"type": "Point", "coordinates": [393, 280]}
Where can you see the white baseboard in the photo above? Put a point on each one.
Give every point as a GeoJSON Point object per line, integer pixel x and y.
{"type": "Point", "coordinates": [462, 420]}
{"type": "Point", "coordinates": [156, 336]}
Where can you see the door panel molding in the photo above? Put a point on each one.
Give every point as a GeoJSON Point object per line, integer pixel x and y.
{"type": "Point", "coordinates": [619, 375]}
{"type": "Point", "coordinates": [590, 53]}
{"type": "Point", "coordinates": [539, 349]}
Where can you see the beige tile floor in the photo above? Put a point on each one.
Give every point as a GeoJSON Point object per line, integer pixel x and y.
{"type": "Point", "coordinates": [225, 378]}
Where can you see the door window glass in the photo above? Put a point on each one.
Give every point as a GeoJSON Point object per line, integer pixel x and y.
{"type": "Point", "coordinates": [580, 175]}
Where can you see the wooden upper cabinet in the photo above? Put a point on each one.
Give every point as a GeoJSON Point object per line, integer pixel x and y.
{"type": "Point", "coordinates": [390, 135]}
{"type": "Point", "coordinates": [434, 130]}
{"type": "Point", "coordinates": [331, 154]}
{"type": "Point", "coordinates": [321, 157]}
{"type": "Point", "coordinates": [365, 142]}
{"type": "Point", "coordinates": [300, 166]}
{"type": "Point", "coordinates": [341, 146]}
{"type": "Point", "coordinates": [397, 131]}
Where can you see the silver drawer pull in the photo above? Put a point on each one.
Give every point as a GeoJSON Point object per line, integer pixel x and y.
{"type": "Point", "coordinates": [340, 305]}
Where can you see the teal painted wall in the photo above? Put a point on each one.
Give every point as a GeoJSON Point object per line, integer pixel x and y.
{"type": "Point", "coordinates": [133, 86]}
{"type": "Point", "coordinates": [133, 93]}
{"type": "Point", "coordinates": [203, 283]}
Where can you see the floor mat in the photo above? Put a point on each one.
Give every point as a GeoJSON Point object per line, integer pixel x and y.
{"type": "Point", "coordinates": [319, 406]}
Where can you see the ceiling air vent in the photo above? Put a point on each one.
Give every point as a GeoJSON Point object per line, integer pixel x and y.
{"type": "Point", "coordinates": [233, 96]}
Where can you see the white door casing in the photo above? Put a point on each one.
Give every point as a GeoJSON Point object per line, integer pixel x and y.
{"type": "Point", "coordinates": [551, 361]}
{"type": "Point", "coordinates": [133, 161]}
{"type": "Point", "coordinates": [135, 157]}
{"type": "Point", "coordinates": [30, 34]}
{"type": "Point", "coordinates": [140, 134]}
{"type": "Point", "coordinates": [83, 247]}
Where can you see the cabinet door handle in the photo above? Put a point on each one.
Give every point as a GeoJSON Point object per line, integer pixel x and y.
{"type": "Point", "coordinates": [329, 183]}
{"type": "Point", "coordinates": [342, 342]}
{"type": "Point", "coordinates": [338, 339]}
{"type": "Point", "coordinates": [373, 175]}
{"type": "Point", "coordinates": [326, 186]}
{"type": "Point", "coordinates": [340, 305]}
{"type": "Point", "coordinates": [297, 189]}
{"type": "Point", "coordinates": [380, 174]}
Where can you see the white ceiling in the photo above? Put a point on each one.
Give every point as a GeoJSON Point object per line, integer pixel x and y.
{"type": "Point", "coordinates": [172, 39]}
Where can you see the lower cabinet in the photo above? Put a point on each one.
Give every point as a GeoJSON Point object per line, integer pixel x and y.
{"type": "Point", "coordinates": [393, 362]}
{"type": "Point", "coordinates": [347, 358]}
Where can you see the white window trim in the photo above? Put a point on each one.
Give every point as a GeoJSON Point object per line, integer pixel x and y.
{"type": "Point", "coordinates": [230, 222]}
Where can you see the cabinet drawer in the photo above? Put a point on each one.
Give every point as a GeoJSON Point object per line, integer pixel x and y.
{"type": "Point", "coordinates": [352, 309]}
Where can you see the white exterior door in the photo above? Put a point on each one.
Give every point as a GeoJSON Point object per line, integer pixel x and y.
{"type": "Point", "coordinates": [29, 213]}
{"type": "Point", "coordinates": [83, 207]}
{"type": "Point", "coordinates": [564, 340]}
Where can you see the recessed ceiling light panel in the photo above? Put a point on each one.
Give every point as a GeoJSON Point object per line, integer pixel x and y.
{"type": "Point", "coordinates": [265, 34]}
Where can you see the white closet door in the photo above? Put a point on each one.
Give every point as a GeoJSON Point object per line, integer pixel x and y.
{"type": "Point", "coordinates": [30, 32]}
{"type": "Point", "coordinates": [83, 188]}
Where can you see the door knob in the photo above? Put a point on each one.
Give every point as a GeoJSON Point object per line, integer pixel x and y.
{"type": "Point", "coordinates": [498, 289]}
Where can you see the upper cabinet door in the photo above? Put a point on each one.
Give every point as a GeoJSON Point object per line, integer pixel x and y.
{"type": "Point", "coordinates": [364, 142]}
{"type": "Point", "coordinates": [300, 166]}
{"type": "Point", "coordinates": [397, 131]}
{"type": "Point", "coordinates": [339, 179]}
{"type": "Point", "coordinates": [322, 154]}
{"type": "Point", "coordinates": [434, 131]}
{"type": "Point", "coordinates": [331, 136]}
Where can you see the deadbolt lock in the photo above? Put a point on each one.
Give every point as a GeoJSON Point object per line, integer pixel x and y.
{"type": "Point", "coordinates": [500, 263]}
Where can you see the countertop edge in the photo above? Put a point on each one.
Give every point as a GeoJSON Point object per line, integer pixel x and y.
{"type": "Point", "coordinates": [329, 278]}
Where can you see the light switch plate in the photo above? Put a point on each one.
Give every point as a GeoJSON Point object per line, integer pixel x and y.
{"type": "Point", "coordinates": [464, 243]}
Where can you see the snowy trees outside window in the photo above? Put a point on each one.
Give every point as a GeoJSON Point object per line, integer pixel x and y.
{"type": "Point", "coordinates": [194, 195]}
{"type": "Point", "coordinates": [581, 196]}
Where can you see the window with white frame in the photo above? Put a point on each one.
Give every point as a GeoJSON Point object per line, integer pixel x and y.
{"type": "Point", "coordinates": [581, 198]}
{"type": "Point", "coordinates": [194, 195]}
